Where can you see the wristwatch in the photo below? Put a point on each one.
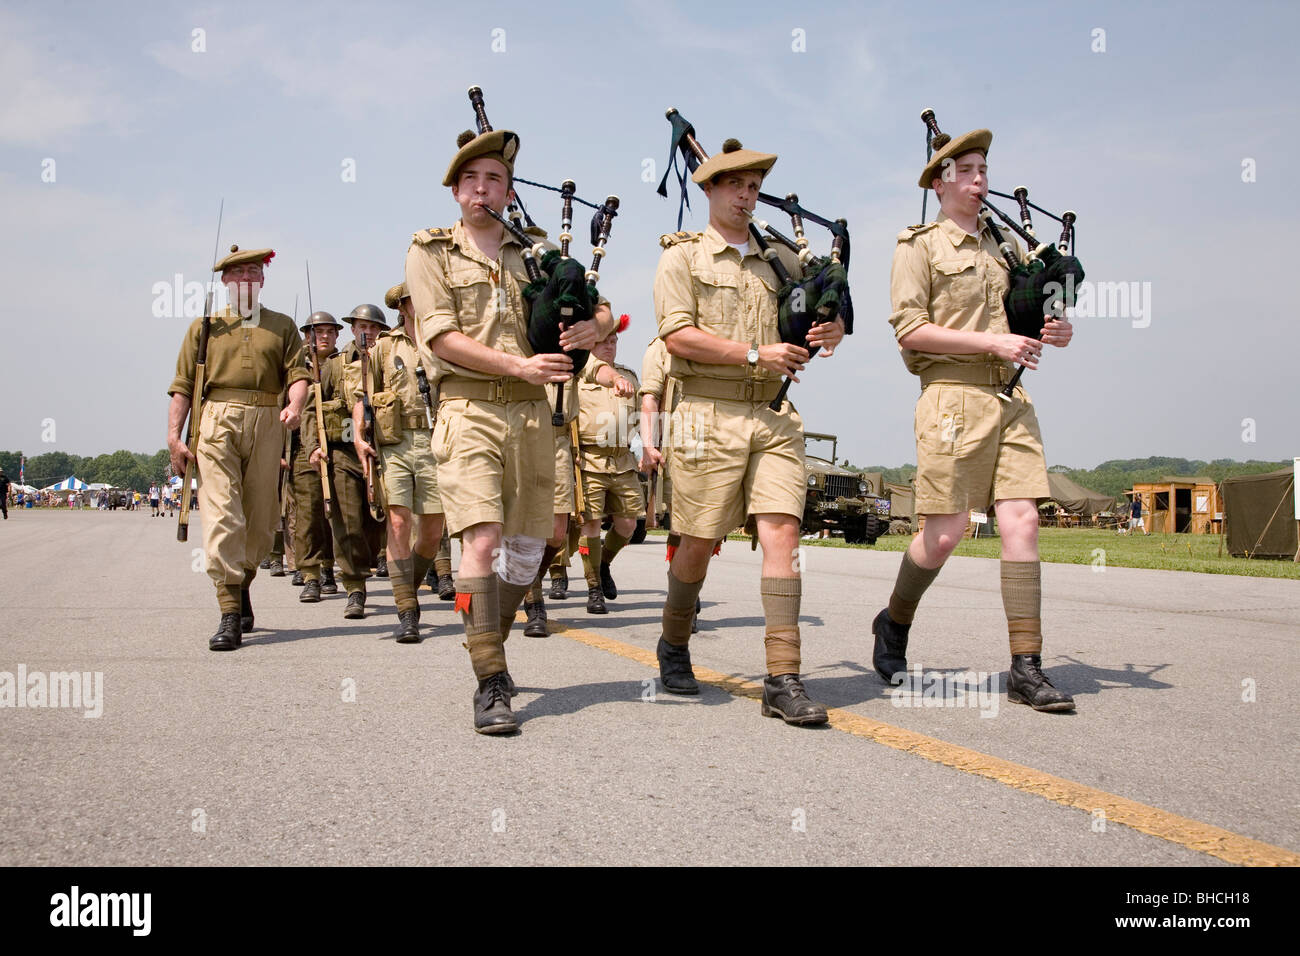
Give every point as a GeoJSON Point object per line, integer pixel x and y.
{"type": "Point", "coordinates": [752, 355]}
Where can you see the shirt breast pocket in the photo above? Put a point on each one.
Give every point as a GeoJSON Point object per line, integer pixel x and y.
{"type": "Point", "coordinates": [718, 295]}
{"type": "Point", "coordinates": [957, 283]}
{"type": "Point", "coordinates": [472, 291]}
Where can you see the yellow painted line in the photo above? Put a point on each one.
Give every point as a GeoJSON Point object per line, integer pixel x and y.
{"type": "Point", "coordinates": [1184, 831]}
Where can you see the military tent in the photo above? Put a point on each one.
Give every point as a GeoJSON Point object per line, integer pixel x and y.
{"type": "Point", "coordinates": [1259, 514]}
{"type": "Point", "coordinates": [1076, 499]}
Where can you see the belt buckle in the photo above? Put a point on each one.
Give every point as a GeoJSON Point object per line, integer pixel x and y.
{"type": "Point", "coordinates": [497, 392]}
{"type": "Point", "coordinates": [749, 390]}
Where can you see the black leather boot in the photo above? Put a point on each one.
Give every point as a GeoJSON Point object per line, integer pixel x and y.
{"type": "Point", "coordinates": [408, 627]}
{"type": "Point", "coordinates": [784, 696]}
{"type": "Point", "coordinates": [381, 566]}
{"type": "Point", "coordinates": [890, 655]}
{"type": "Point", "coordinates": [446, 588]}
{"type": "Point", "coordinates": [297, 580]}
{"type": "Point", "coordinates": [607, 582]}
{"type": "Point", "coordinates": [327, 583]}
{"type": "Point", "coordinates": [356, 609]}
{"type": "Point", "coordinates": [277, 568]}
{"type": "Point", "coordinates": [1026, 684]}
{"type": "Point", "coordinates": [675, 671]}
{"type": "Point", "coordinates": [227, 637]}
{"type": "Point", "coordinates": [310, 593]}
{"type": "Point", "coordinates": [245, 611]}
{"type": "Point", "coordinates": [560, 585]}
{"type": "Point", "coordinates": [536, 612]}
{"type": "Point", "coordinates": [596, 601]}
{"type": "Point", "coordinates": [492, 714]}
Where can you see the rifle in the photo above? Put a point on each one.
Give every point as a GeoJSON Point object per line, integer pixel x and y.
{"type": "Point", "coordinates": [316, 398]}
{"type": "Point", "coordinates": [374, 495]}
{"type": "Point", "coordinates": [196, 395]}
{"type": "Point", "coordinates": [579, 499]}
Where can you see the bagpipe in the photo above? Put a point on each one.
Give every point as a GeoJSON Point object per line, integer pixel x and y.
{"type": "Point", "coordinates": [1042, 286]}
{"type": "Point", "coordinates": [560, 292]}
{"type": "Point", "coordinates": [821, 293]}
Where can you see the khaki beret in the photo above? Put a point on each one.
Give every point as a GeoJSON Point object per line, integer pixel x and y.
{"type": "Point", "coordinates": [394, 296]}
{"type": "Point", "coordinates": [732, 158]}
{"type": "Point", "coordinates": [239, 256]}
{"type": "Point", "coordinates": [500, 144]}
{"type": "Point", "coordinates": [976, 139]}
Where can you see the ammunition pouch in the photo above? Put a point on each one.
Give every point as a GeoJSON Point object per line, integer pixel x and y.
{"type": "Point", "coordinates": [388, 417]}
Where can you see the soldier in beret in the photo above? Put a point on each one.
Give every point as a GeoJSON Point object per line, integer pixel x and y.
{"type": "Point", "coordinates": [493, 442]}
{"type": "Point", "coordinates": [716, 303]}
{"type": "Point", "coordinates": [947, 288]}
{"type": "Point", "coordinates": [609, 480]}
{"type": "Point", "coordinates": [313, 545]}
{"type": "Point", "coordinates": [253, 354]}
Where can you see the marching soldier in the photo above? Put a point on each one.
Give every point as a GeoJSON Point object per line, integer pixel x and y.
{"type": "Point", "coordinates": [253, 354]}
{"type": "Point", "coordinates": [565, 501]}
{"type": "Point", "coordinates": [716, 303]}
{"type": "Point", "coordinates": [440, 578]}
{"type": "Point", "coordinates": [659, 392]}
{"type": "Point", "coordinates": [354, 530]}
{"type": "Point", "coordinates": [410, 476]}
{"type": "Point", "coordinates": [609, 481]}
{"type": "Point", "coordinates": [494, 446]}
{"type": "Point", "coordinates": [313, 544]}
{"type": "Point", "coordinates": [947, 288]}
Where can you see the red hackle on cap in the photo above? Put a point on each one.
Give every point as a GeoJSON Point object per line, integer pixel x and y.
{"type": "Point", "coordinates": [624, 321]}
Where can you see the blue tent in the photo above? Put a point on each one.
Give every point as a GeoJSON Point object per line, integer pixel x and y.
{"type": "Point", "coordinates": [71, 483]}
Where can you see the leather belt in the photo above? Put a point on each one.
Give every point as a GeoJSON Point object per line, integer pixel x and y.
{"type": "Point", "coordinates": [735, 390]}
{"type": "Point", "coordinates": [501, 391]}
{"type": "Point", "coordinates": [244, 396]}
{"type": "Point", "coordinates": [983, 374]}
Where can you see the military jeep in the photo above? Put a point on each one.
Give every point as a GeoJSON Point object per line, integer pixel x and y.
{"type": "Point", "coordinates": [845, 502]}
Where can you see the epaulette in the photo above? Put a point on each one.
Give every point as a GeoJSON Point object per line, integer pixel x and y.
{"type": "Point", "coordinates": [426, 236]}
{"type": "Point", "coordinates": [672, 238]}
{"type": "Point", "coordinates": [911, 231]}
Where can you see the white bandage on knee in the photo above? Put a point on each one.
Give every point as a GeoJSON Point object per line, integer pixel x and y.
{"type": "Point", "coordinates": [519, 559]}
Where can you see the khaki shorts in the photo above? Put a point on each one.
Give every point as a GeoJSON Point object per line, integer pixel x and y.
{"type": "Point", "coordinates": [495, 464]}
{"type": "Point", "coordinates": [411, 474]}
{"type": "Point", "coordinates": [618, 496]}
{"type": "Point", "coordinates": [732, 459]}
{"type": "Point", "coordinates": [973, 449]}
{"type": "Point", "coordinates": [564, 503]}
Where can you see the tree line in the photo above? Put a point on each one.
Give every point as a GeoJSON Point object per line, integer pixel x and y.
{"type": "Point", "coordinates": [121, 469]}
{"type": "Point", "coordinates": [1118, 475]}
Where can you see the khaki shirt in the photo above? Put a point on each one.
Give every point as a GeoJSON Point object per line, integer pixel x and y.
{"type": "Point", "coordinates": [307, 428]}
{"type": "Point", "coordinates": [454, 287]}
{"type": "Point", "coordinates": [704, 282]}
{"type": "Point", "coordinates": [262, 355]}
{"type": "Point", "coordinates": [388, 346]}
{"type": "Point", "coordinates": [943, 274]}
{"type": "Point", "coordinates": [655, 380]}
{"type": "Point", "coordinates": [606, 423]}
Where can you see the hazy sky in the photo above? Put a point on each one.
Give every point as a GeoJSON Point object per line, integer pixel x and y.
{"type": "Point", "coordinates": [122, 128]}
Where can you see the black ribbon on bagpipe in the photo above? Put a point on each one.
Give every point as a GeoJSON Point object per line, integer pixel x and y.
{"type": "Point", "coordinates": [601, 208]}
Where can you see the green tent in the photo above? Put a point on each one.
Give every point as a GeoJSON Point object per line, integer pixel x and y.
{"type": "Point", "coordinates": [1076, 499]}
{"type": "Point", "coordinates": [1259, 514]}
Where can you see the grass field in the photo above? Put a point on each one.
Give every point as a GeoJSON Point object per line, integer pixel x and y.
{"type": "Point", "coordinates": [1166, 552]}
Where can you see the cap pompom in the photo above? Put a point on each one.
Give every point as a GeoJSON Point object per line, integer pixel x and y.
{"type": "Point", "coordinates": [267, 260]}
{"type": "Point", "coordinates": [624, 321]}
{"type": "Point", "coordinates": [940, 141]}
{"type": "Point", "coordinates": [234, 248]}
{"type": "Point", "coordinates": [464, 138]}
{"type": "Point", "coordinates": [731, 145]}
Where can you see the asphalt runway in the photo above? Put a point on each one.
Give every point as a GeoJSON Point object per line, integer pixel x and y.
{"type": "Point", "coordinates": [322, 741]}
